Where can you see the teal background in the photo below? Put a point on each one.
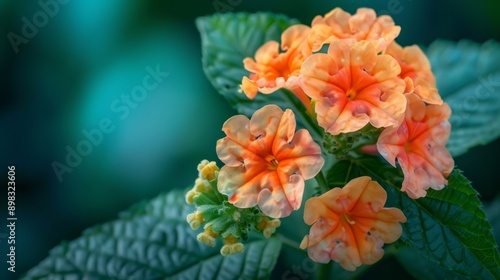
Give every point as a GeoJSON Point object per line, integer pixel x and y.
{"type": "Point", "coordinates": [65, 78]}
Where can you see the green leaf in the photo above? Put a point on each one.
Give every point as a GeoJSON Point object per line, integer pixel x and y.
{"type": "Point", "coordinates": [422, 268]}
{"type": "Point", "coordinates": [341, 173]}
{"type": "Point", "coordinates": [447, 227]}
{"type": "Point", "coordinates": [153, 241]}
{"type": "Point", "coordinates": [468, 79]}
{"type": "Point", "coordinates": [229, 38]}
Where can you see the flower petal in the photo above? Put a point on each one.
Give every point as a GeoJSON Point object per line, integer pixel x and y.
{"type": "Point", "coordinates": [279, 198]}
{"type": "Point", "coordinates": [416, 66]}
{"type": "Point", "coordinates": [363, 25]}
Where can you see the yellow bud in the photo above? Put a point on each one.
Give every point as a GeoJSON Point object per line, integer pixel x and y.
{"type": "Point", "coordinates": [231, 249]}
{"type": "Point", "coordinates": [202, 164]}
{"type": "Point", "coordinates": [225, 250]}
{"type": "Point", "coordinates": [195, 219]}
{"type": "Point", "coordinates": [238, 248]}
{"type": "Point", "coordinates": [202, 185]}
{"type": "Point", "coordinates": [195, 225]}
{"type": "Point", "coordinates": [268, 232]}
{"type": "Point", "coordinates": [262, 224]}
{"type": "Point", "coordinates": [206, 239]}
{"type": "Point", "coordinates": [190, 196]}
{"type": "Point", "coordinates": [207, 170]}
{"type": "Point", "coordinates": [275, 223]}
{"type": "Point", "coordinates": [268, 227]}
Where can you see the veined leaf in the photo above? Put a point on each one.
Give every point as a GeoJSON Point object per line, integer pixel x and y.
{"type": "Point", "coordinates": [229, 38]}
{"type": "Point", "coordinates": [468, 79]}
{"type": "Point", "coordinates": [422, 268]}
{"type": "Point", "coordinates": [154, 241]}
{"type": "Point", "coordinates": [447, 227]}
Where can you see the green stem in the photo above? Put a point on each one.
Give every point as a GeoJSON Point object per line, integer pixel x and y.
{"type": "Point", "coordinates": [307, 121]}
{"type": "Point", "coordinates": [320, 178]}
{"type": "Point", "coordinates": [290, 243]}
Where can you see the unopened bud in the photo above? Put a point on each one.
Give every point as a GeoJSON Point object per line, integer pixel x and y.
{"type": "Point", "coordinates": [207, 170]}
{"type": "Point", "coordinates": [194, 219]}
{"type": "Point", "coordinates": [190, 196]}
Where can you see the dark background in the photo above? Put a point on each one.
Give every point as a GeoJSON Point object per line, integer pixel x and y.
{"type": "Point", "coordinates": [64, 79]}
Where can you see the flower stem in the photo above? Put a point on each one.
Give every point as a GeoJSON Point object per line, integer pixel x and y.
{"type": "Point", "coordinates": [320, 178]}
{"type": "Point", "coordinates": [289, 243]}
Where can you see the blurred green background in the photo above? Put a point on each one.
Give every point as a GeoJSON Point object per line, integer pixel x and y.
{"type": "Point", "coordinates": [88, 54]}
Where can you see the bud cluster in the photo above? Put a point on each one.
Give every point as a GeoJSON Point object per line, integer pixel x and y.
{"type": "Point", "coordinates": [347, 145]}
{"type": "Point", "coordinates": [219, 217]}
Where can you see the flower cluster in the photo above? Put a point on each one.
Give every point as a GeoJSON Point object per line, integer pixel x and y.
{"type": "Point", "coordinates": [364, 78]}
{"type": "Point", "coordinates": [370, 96]}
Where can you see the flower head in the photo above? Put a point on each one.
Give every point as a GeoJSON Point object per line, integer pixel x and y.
{"type": "Point", "coordinates": [350, 225]}
{"type": "Point", "coordinates": [267, 161]}
{"type": "Point", "coordinates": [363, 25]}
{"type": "Point", "coordinates": [272, 69]}
{"type": "Point", "coordinates": [352, 86]}
{"type": "Point", "coordinates": [419, 146]}
{"type": "Point", "coordinates": [416, 71]}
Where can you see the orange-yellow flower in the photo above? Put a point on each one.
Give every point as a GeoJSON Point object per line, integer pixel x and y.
{"type": "Point", "coordinates": [416, 71]}
{"type": "Point", "coordinates": [267, 161]}
{"type": "Point", "coordinates": [272, 69]}
{"type": "Point", "coordinates": [363, 25]}
{"type": "Point", "coordinates": [350, 225]}
{"type": "Point", "coordinates": [353, 86]}
{"type": "Point", "coordinates": [419, 144]}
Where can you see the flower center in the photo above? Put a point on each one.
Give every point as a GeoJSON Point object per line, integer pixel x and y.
{"type": "Point", "coordinates": [351, 93]}
{"type": "Point", "coordinates": [407, 147]}
{"type": "Point", "coordinates": [272, 163]}
{"type": "Point", "coordinates": [348, 219]}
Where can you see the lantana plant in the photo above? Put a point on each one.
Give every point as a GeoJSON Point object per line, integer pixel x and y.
{"type": "Point", "coordinates": [371, 144]}
{"type": "Point", "coordinates": [340, 158]}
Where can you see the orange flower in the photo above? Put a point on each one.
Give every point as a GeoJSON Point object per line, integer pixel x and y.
{"type": "Point", "coordinates": [419, 146]}
{"type": "Point", "coordinates": [267, 161]}
{"type": "Point", "coordinates": [364, 25]}
{"type": "Point", "coordinates": [353, 86]}
{"type": "Point", "coordinates": [272, 70]}
{"type": "Point", "coordinates": [350, 225]}
{"type": "Point", "coordinates": [416, 71]}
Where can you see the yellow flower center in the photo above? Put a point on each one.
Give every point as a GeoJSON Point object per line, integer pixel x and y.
{"type": "Point", "coordinates": [272, 163]}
